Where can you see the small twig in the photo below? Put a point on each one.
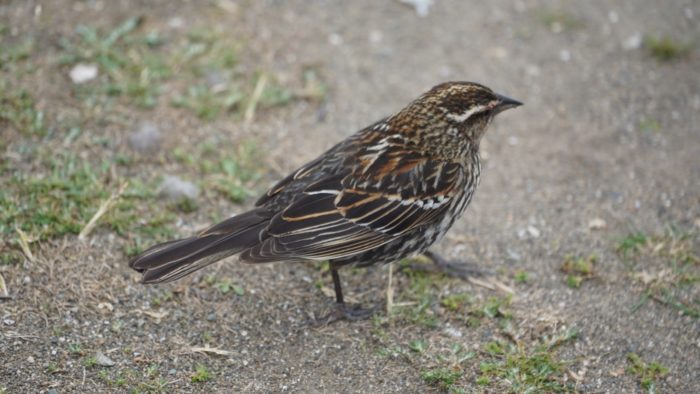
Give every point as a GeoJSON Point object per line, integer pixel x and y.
{"type": "Point", "coordinates": [24, 244]}
{"type": "Point", "coordinates": [254, 99]}
{"type": "Point", "coordinates": [390, 291]}
{"type": "Point", "coordinates": [157, 316]}
{"type": "Point", "coordinates": [491, 285]}
{"type": "Point", "coordinates": [402, 304]}
{"type": "Point", "coordinates": [207, 349]}
{"type": "Point", "coordinates": [3, 287]}
{"type": "Point", "coordinates": [481, 283]}
{"type": "Point", "coordinates": [101, 211]}
{"type": "Point", "coordinates": [15, 334]}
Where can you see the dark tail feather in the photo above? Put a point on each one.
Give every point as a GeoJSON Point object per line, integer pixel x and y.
{"type": "Point", "coordinates": [172, 260]}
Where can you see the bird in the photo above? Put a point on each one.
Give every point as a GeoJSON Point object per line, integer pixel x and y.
{"type": "Point", "coordinates": [387, 192]}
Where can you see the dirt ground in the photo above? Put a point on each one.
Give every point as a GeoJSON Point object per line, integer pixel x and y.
{"type": "Point", "coordinates": [587, 216]}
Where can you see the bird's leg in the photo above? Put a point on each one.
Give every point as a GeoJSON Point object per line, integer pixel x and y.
{"type": "Point", "coordinates": [336, 285]}
{"type": "Point", "coordinates": [443, 266]}
{"type": "Point", "coordinates": [343, 311]}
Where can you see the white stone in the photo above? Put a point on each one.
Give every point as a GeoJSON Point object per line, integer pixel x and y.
{"type": "Point", "coordinates": [81, 73]}
{"type": "Point", "coordinates": [175, 188]}
{"type": "Point", "coordinates": [564, 55]}
{"type": "Point", "coordinates": [632, 42]}
{"type": "Point", "coordinates": [597, 224]}
{"type": "Point", "coordinates": [422, 7]}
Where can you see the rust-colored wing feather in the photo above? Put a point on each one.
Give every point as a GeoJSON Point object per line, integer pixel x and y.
{"type": "Point", "coordinates": [390, 191]}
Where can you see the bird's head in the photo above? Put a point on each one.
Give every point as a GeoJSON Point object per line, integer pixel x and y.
{"type": "Point", "coordinates": [455, 113]}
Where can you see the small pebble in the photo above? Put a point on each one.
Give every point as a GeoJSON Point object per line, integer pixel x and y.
{"type": "Point", "coordinates": [211, 316]}
{"type": "Point", "coordinates": [533, 231]}
{"type": "Point", "coordinates": [515, 256]}
{"type": "Point", "coordinates": [176, 23]}
{"type": "Point", "coordinates": [597, 224]}
{"type": "Point", "coordinates": [564, 55]}
{"type": "Point", "coordinates": [632, 42]}
{"type": "Point", "coordinates": [146, 138]}
{"type": "Point", "coordinates": [102, 360]}
{"type": "Point", "coordinates": [216, 80]}
{"type": "Point", "coordinates": [335, 39]}
{"type": "Point", "coordinates": [175, 188]}
{"type": "Point", "coordinates": [422, 7]}
{"type": "Point", "coordinates": [453, 332]}
{"type": "Point", "coordinates": [81, 73]}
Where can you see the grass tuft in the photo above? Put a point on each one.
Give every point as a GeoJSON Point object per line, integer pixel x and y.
{"type": "Point", "coordinates": [578, 270]}
{"type": "Point", "coordinates": [523, 371]}
{"type": "Point", "coordinates": [442, 378]}
{"type": "Point", "coordinates": [132, 66]}
{"type": "Point", "coordinates": [201, 374]}
{"type": "Point", "coordinates": [631, 244]}
{"type": "Point", "coordinates": [18, 110]}
{"type": "Point", "coordinates": [666, 49]}
{"type": "Point", "coordinates": [668, 267]}
{"type": "Point", "coordinates": [647, 374]}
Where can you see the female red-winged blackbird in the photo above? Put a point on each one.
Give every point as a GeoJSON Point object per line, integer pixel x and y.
{"type": "Point", "coordinates": [389, 191]}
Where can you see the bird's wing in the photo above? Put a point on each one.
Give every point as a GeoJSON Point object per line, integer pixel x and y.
{"type": "Point", "coordinates": [385, 195]}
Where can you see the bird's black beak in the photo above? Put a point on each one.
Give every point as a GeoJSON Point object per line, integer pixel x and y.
{"type": "Point", "coordinates": [506, 103]}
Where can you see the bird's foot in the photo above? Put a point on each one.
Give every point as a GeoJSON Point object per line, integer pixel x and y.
{"type": "Point", "coordinates": [345, 312]}
{"type": "Point", "coordinates": [449, 268]}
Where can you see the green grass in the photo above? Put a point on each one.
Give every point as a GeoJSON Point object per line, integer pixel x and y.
{"type": "Point", "coordinates": [208, 104]}
{"type": "Point", "coordinates": [52, 368]}
{"type": "Point", "coordinates": [90, 362]}
{"type": "Point", "coordinates": [422, 293]}
{"type": "Point", "coordinates": [161, 297]}
{"type": "Point", "coordinates": [75, 349]}
{"type": "Point", "coordinates": [50, 193]}
{"type": "Point", "coordinates": [519, 370]}
{"type": "Point", "coordinates": [521, 277]}
{"type": "Point", "coordinates": [646, 373]}
{"type": "Point", "coordinates": [495, 307]}
{"type": "Point", "coordinates": [631, 244]}
{"type": "Point", "coordinates": [442, 378]}
{"type": "Point", "coordinates": [199, 69]}
{"type": "Point", "coordinates": [18, 110]}
{"type": "Point", "coordinates": [131, 62]}
{"type": "Point", "coordinates": [418, 345]}
{"type": "Point", "coordinates": [201, 374]}
{"type": "Point", "coordinates": [668, 267]}
{"type": "Point", "coordinates": [63, 195]}
{"type": "Point", "coordinates": [578, 270]}
{"type": "Point", "coordinates": [666, 49]}
{"type": "Point", "coordinates": [454, 302]}
{"type": "Point", "coordinates": [63, 192]}
{"type": "Point", "coordinates": [648, 125]}
{"type": "Point", "coordinates": [227, 171]}
{"type": "Point", "coordinates": [224, 285]}
{"type": "Point", "coordinates": [15, 51]}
